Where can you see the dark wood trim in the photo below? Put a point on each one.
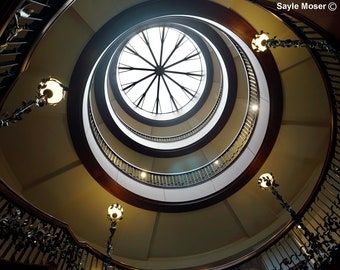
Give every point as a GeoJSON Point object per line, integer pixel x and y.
{"type": "Point", "coordinates": [14, 197]}
{"type": "Point", "coordinates": [7, 11]}
{"type": "Point", "coordinates": [331, 152]}
{"type": "Point", "coordinates": [23, 204]}
{"type": "Point", "coordinates": [145, 11]}
{"type": "Point", "coordinates": [228, 107]}
{"type": "Point", "coordinates": [326, 33]}
{"type": "Point", "coordinates": [52, 14]}
{"type": "Point", "coordinates": [332, 105]}
{"type": "Point", "coordinates": [60, 10]}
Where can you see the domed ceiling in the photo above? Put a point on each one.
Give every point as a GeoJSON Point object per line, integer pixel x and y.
{"type": "Point", "coordinates": [159, 94]}
{"type": "Point", "coordinates": [172, 115]}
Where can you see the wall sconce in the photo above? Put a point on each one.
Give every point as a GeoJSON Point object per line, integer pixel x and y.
{"type": "Point", "coordinates": [114, 214]}
{"type": "Point", "coordinates": [50, 91]}
{"type": "Point", "coordinates": [319, 249]}
{"type": "Point", "coordinates": [261, 42]}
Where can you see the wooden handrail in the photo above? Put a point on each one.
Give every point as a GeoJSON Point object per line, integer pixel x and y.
{"type": "Point", "coordinates": [271, 6]}
{"type": "Point", "coordinates": [30, 39]}
{"type": "Point", "coordinates": [19, 203]}
{"type": "Point", "coordinates": [9, 7]}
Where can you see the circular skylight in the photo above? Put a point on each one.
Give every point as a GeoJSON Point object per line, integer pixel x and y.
{"type": "Point", "coordinates": [161, 73]}
{"type": "Point", "coordinates": [181, 73]}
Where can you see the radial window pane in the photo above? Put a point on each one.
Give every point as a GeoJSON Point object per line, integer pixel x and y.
{"type": "Point", "coordinates": [161, 73]}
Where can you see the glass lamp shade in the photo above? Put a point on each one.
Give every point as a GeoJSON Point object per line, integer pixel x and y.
{"type": "Point", "coordinates": [266, 180]}
{"type": "Point", "coordinates": [258, 43]}
{"type": "Point", "coordinates": [115, 212]}
{"type": "Point", "coordinates": [53, 90]}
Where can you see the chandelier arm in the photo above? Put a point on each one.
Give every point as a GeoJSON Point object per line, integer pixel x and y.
{"type": "Point", "coordinates": [261, 42]}
{"type": "Point", "coordinates": [283, 203]}
{"type": "Point", "coordinates": [26, 107]}
{"type": "Point", "coordinates": [16, 115]}
{"type": "Point", "coordinates": [108, 258]}
{"type": "Point", "coordinates": [308, 43]}
{"type": "Point", "coordinates": [48, 89]}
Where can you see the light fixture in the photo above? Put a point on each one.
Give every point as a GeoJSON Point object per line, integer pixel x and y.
{"type": "Point", "coordinates": [50, 91]}
{"type": "Point", "coordinates": [261, 42]}
{"type": "Point", "coordinates": [319, 249]}
{"type": "Point", "coordinates": [254, 107]}
{"type": "Point", "coordinates": [266, 180]}
{"type": "Point", "coordinates": [114, 214]}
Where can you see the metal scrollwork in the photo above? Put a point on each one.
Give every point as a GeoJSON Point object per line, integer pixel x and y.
{"type": "Point", "coordinates": [32, 233]}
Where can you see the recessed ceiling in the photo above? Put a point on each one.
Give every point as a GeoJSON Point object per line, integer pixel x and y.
{"type": "Point", "coordinates": [48, 157]}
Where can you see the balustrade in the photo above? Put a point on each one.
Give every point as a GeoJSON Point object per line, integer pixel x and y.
{"type": "Point", "coordinates": [29, 236]}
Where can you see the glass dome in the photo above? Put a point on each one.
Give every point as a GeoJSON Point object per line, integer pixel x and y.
{"type": "Point", "coordinates": [161, 73]}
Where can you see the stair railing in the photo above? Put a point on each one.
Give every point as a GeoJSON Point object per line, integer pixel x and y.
{"type": "Point", "coordinates": [28, 235]}
{"type": "Point", "coordinates": [321, 213]}
{"type": "Point", "coordinates": [24, 24]}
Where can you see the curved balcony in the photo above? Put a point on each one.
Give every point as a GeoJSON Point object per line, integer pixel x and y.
{"type": "Point", "coordinates": [29, 236]}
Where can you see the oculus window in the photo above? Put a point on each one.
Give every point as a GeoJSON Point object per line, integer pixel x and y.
{"type": "Point", "coordinates": [161, 73]}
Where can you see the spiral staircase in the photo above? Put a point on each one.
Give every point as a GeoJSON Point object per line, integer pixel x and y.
{"type": "Point", "coordinates": [184, 168]}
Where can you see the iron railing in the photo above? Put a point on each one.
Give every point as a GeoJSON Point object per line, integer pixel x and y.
{"type": "Point", "coordinates": [25, 27]}
{"type": "Point", "coordinates": [321, 214]}
{"type": "Point", "coordinates": [30, 236]}
{"type": "Point", "coordinates": [205, 172]}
